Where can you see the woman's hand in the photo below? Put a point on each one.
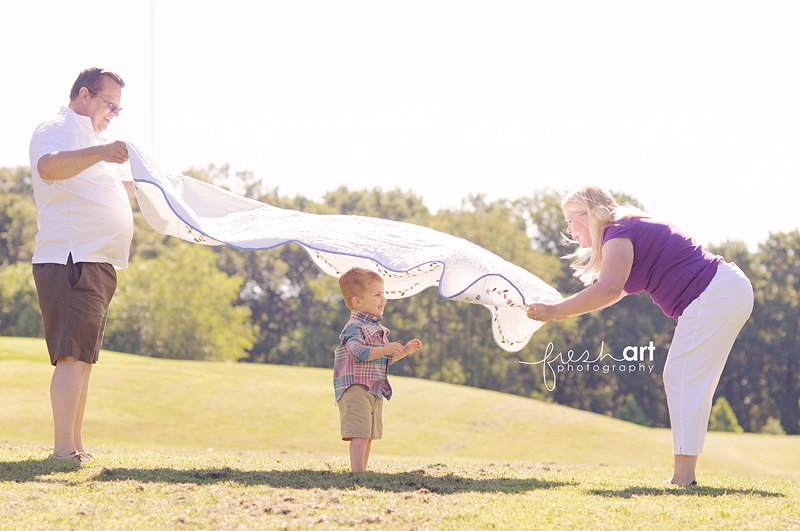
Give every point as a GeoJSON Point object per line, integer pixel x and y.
{"type": "Point", "coordinates": [609, 288]}
{"type": "Point", "coordinates": [541, 311]}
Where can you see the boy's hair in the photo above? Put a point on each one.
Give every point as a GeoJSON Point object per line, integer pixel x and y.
{"type": "Point", "coordinates": [355, 281]}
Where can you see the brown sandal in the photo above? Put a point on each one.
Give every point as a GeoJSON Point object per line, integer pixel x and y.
{"type": "Point", "coordinates": [74, 456]}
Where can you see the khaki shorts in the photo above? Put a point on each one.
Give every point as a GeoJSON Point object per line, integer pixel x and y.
{"type": "Point", "coordinates": [74, 300]}
{"type": "Point", "coordinates": [360, 414]}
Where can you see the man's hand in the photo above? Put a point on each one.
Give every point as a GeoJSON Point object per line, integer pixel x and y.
{"type": "Point", "coordinates": [116, 152]}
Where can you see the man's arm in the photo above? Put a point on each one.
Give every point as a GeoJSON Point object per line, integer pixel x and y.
{"type": "Point", "coordinates": [61, 165]}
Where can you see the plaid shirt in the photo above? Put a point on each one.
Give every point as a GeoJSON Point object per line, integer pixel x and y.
{"type": "Point", "coordinates": [350, 366]}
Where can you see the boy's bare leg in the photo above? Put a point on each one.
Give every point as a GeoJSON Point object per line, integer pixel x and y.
{"type": "Point", "coordinates": [359, 453]}
{"type": "Point", "coordinates": [366, 453]}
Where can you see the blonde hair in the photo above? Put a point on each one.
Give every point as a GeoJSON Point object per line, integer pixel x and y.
{"type": "Point", "coordinates": [602, 210]}
{"type": "Point", "coordinates": [354, 283]}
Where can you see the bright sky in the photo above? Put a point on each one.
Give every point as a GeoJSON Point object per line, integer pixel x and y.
{"type": "Point", "coordinates": [691, 107]}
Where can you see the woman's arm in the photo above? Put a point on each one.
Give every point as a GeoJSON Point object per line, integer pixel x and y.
{"type": "Point", "coordinates": [614, 272]}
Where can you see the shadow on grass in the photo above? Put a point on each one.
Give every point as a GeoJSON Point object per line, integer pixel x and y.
{"type": "Point", "coordinates": [317, 479]}
{"type": "Point", "coordinates": [638, 492]}
{"type": "Point", "coordinates": [34, 469]}
{"type": "Point", "coordinates": [418, 480]}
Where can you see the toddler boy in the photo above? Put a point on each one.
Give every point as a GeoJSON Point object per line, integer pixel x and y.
{"type": "Point", "coordinates": [361, 364]}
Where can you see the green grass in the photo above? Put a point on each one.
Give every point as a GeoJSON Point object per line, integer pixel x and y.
{"type": "Point", "coordinates": [194, 445]}
{"type": "Point", "coordinates": [256, 490]}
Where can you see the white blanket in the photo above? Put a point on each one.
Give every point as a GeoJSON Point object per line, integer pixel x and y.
{"type": "Point", "coordinates": [410, 258]}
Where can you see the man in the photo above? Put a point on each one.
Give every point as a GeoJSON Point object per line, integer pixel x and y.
{"type": "Point", "coordinates": [85, 231]}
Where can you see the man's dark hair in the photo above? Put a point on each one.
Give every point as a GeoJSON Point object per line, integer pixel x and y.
{"type": "Point", "coordinates": [92, 79]}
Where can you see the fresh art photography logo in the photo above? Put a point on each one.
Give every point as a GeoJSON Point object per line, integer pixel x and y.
{"type": "Point", "coordinates": [633, 359]}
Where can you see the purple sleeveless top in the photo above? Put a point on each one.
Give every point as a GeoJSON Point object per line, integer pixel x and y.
{"type": "Point", "coordinates": [667, 264]}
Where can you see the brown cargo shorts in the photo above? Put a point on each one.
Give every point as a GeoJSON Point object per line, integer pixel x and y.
{"type": "Point", "coordinates": [74, 301]}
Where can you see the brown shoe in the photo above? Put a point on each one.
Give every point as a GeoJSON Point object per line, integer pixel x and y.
{"type": "Point", "coordinates": [74, 456]}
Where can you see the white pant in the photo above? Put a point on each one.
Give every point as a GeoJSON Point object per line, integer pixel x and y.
{"type": "Point", "coordinates": [700, 347]}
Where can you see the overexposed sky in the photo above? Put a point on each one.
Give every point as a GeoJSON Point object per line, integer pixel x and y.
{"type": "Point", "coordinates": [691, 107]}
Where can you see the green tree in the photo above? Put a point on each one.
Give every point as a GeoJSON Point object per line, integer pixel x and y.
{"type": "Point", "coordinates": [395, 205]}
{"type": "Point", "coordinates": [773, 427]}
{"type": "Point", "coordinates": [16, 181]}
{"type": "Point", "coordinates": [19, 305]}
{"type": "Point", "coordinates": [179, 305]}
{"type": "Point", "coordinates": [320, 314]}
{"type": "Point", "coordinates": [722, 417]}
{"type": "Point", "coordinates": [17, 216]}
{"type": "Point", "coordinates": [776, 321]}
{"type": "Point", "coordinates": [265, 291]}
{"type": "Point", "coordinates": [630, 410]}
{"type": "Point", "coordinates": [744, 373]}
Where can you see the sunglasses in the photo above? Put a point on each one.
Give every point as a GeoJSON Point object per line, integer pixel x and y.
{"type": "Point", "coordinates": [113, 107]}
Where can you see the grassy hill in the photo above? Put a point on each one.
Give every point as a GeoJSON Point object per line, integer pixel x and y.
{"type": "Point", "coordinates": [144, 403]}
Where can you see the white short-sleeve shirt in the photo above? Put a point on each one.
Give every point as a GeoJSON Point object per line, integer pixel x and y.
{"type": "Point", "coordinates": [88, 215]}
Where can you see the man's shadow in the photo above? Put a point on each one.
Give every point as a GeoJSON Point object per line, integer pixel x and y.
{"type": "Point", "coordinates": [34, 469]}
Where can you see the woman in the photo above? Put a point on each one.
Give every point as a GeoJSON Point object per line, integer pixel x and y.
{"type": "Point", "coordinates": [625, 251]}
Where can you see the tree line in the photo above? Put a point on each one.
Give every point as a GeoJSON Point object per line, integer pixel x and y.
{"type": "Point", "coordinates": [186, 301]}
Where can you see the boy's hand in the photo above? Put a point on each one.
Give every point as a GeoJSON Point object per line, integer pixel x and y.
{"type": "Point", "coordinates": [390, 349]}
{"type": "Point", "coordinates": [412, 346]}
